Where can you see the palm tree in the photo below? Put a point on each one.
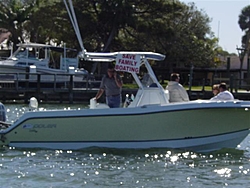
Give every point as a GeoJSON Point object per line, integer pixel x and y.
{"type": "Point", "coordinates": [244, 23]}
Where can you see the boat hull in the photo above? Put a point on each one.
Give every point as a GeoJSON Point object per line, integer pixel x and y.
{"type": "Point", "coordinates": [190, 126]}
{"type": "Point", "coordinates": [204, 144]}
{"type": "Point", "coordinates": [46, 74]}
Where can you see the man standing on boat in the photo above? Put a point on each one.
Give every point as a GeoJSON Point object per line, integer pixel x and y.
{"type": "Point", "coordinates": [112, 85]}
{"type": "Point", "coordinates": [176, 91]}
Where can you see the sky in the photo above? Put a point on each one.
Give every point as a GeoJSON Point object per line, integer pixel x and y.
{"type": "Point", "coordinates": [224, 15]}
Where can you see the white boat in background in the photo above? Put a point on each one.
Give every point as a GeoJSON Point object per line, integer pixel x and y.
{"type": "Point", "coordinates": [149, 121]}
{"type": "Point", "coordinates": [38, 58]}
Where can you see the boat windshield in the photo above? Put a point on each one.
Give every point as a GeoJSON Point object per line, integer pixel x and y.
{"type": "Point", "coordinates": [147, 81]}
{"type": "Point", "coordinates": [31, 53]}
{"type": "Point", "coordinates": [21, 53]}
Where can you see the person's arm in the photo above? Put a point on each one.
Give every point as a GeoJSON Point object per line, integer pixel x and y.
{"type": "Point", "coordinates": [99, 93]}
{"type": "Point", "coordinates": [184, 94]}
{"type": "Point", "coordinates": [214, 98]}
{"type": "Point", "coordinates": [118, 80]}
{"type": "Point", "coordinates": [101, 90]}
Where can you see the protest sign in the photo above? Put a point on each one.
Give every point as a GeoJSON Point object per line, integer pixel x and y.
{"type": "Point", "coordinates": [128, 63]}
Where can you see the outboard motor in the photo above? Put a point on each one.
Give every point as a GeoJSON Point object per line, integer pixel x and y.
{"type": "Point", "coordinates": [2, 113]}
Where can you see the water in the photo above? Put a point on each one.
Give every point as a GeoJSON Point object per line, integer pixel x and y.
{"type": "Point", "coordinates": [101, 167]}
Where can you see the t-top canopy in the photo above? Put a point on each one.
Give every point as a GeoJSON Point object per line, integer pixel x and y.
{"type": "Point", "coordinates": [111, 56]}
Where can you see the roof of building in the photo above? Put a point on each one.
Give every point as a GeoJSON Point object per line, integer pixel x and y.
{"type": "Point", "coordinates": [234, 62]}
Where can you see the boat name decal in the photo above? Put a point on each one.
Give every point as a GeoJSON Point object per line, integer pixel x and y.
{"type": "Point", "coordinates": [39, 126]}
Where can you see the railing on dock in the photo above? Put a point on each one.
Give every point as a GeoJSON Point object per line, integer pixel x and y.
{"type": "Point", "coordinates": [54, 87]}
{"type": "Point", "coordinates": [71, 88]}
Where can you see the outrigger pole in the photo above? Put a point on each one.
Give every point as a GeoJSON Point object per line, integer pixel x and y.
{"type": "Point", "coordinates": [72, 16]}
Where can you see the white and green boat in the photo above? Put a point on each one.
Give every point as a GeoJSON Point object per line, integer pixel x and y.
{"type": "Point", "coordinates": [150, 121]}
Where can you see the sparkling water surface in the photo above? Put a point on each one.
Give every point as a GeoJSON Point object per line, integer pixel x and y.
{"type": "Point", "coordinates": [102, 167]}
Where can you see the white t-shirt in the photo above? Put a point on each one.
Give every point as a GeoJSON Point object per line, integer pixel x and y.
{"type": "Point", "coordinates": [224, 96]}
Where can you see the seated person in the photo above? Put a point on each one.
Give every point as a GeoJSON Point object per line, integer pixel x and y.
{"type": "Point", "coordinates": [177, 93]}
{"type": "Point", "coordinates": [224, 94]}
{"type": "Point", "coordinates": [215, 89]}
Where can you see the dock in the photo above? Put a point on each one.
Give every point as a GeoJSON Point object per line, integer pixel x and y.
{"type": "Point", "coordinates": [13, 89]}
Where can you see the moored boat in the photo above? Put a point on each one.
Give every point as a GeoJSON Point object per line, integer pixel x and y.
{"type": "Point", "coordinates": [38, 58]}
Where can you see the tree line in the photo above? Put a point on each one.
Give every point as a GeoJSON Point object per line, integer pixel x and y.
{"type": "Point", "coordinates": [178, 30]}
